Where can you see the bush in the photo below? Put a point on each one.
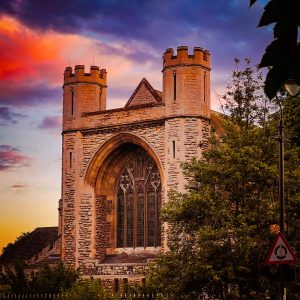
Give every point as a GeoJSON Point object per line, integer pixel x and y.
{"type": "Point", "coordinates": [91, 290]}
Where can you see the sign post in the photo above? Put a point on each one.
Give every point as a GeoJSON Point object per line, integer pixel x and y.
{"type": "Point", "coordinates": [281, 253]}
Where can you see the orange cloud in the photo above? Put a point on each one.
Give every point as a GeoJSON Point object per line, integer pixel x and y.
{"type": "Point", "coordinates": [24, 52]}
{"type": "Point", "coordinates": [32, 63]}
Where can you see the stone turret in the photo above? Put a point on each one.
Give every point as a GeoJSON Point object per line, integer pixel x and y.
{"type": "Point", "coordinates": [186, 82]}
{"type": "Point", "coordinates": [186, 93]}
{"type": "Point", "coordinates": [83, 92]}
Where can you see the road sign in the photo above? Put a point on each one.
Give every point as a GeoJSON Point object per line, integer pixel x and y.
{"type": "Point", "coordinates": [281, 253]}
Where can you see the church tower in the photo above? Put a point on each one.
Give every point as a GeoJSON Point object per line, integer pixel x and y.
{"type": "Point", "coordinates": [83, 93]}
{"type": "Point", "coordinates": [186, 93]}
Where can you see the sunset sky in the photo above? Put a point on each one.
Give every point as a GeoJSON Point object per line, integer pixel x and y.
{"type": "Point", "coordinates": [39, 38]}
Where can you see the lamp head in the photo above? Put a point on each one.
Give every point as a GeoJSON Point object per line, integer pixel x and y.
{"type": "Point", "coordinates": [292, 87]}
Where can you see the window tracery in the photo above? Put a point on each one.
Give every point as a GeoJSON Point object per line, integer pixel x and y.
{"type": "Point", "coordinates": [138, 203]}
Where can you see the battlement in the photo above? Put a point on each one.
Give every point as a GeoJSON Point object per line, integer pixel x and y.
{"type": "Point", "coordinates": [199, 57]}
{"type": "Point", "coordinates": [96, 75]}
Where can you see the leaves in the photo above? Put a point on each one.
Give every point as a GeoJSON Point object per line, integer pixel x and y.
{"type": "Point", "coordinates": [46, 280]}
{"type": "Point", "coordinates": [276, 78]}
{"type": "Point", "coordinates": [282, 54]}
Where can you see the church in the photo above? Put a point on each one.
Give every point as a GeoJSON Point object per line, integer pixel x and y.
{"type": "Point", "coordinates": [119, 165]}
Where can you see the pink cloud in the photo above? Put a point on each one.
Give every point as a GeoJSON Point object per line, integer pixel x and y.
{"type": "Point", "coordinates": [11, 158]}
{"type": "Point", "coordinates": [54, 122]}
{"type": "Point", "coordinates": [32, 63]}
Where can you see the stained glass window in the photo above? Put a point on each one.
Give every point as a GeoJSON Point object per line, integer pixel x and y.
{"type": "Point", "coordinates": [138, 203]}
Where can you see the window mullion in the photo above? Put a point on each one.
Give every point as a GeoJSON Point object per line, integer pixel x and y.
{"type": "Point", "coordinates": [155, 217]}
{"type": "Point", "coordinates": [125, 220]}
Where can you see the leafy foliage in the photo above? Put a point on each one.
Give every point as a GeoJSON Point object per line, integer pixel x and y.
{"type": "Point", "coordinates": [223, 226]}
{"type": "Point", "coordinates": [92, 290]}
{"type": "Point", "coordinates": [283, 54]}
{"type": "Point", "coordinates": [9, 245]}
{"type": "Point", "coordinates": [46, 280]}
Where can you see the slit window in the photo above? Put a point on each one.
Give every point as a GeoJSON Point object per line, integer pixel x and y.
{"type": "Point", "coordinates": [100, 99]}
{"type": "Point", "coordinates": [174, 81]}
{"type": "Point", "coordinates": [125, 285]}
{"type": "Point", "coordinates": [204, 88]}
{"type": "Point", "coordinates": [70, 158]}
{"type": "Point", "coordinates": [72, 101]}
{"type": "Point", "coordinates": [116, 285]}
{"type": "Point", "coordinates": [174, 148]}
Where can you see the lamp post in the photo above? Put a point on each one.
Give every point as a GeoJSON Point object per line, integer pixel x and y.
{"type": "Point", "coordinates": [293, 89]}
{"type": "Point", "coordinates": [281, 193]}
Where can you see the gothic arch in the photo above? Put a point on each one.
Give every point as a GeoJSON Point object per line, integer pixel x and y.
{"type": "Point", "coordinates": [103, 175]}
{"type": "Point", "coordinates": [105, 162]}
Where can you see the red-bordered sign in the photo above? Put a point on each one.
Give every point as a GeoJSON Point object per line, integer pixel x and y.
{"type": "Point", "coordinates": [281, 253]}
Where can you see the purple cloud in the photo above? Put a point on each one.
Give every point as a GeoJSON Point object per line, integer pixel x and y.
{"type": "Point", "coordinates": [227, 28]}
{"type": "Point", "coordinates": [8, 116]}
{"type": "Point", "coordinates": [16, 94]}
{"type": "Point", "coordinates": [152, 21]}
{"type": "Point", "coordinates": [11, 158]}
{"type": "Point", "coordinates": [53, 122]}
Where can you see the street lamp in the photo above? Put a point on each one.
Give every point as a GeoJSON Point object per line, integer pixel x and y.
{"type": "Point", "coordinates": [293, 89]}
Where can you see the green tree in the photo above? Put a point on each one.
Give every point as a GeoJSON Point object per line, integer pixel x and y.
{"type": "Point", "coordinates": [16, 278]}
{"type": "Point", "coordinates": [223, 226]}
{"type": "Point", "coordinates": [53, 279]}
{"type": "Point", "coordinates": [90, 289]}
{"type": "Point", "coordinates": [46, 280]}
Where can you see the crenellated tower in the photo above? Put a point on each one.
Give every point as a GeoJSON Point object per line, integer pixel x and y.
{"type": "Point", "coordinates": [186, 93]}
{"type": "Point", "coordinates": [186, 82]}
{"type": "Point", "coordinates": [83, 93]}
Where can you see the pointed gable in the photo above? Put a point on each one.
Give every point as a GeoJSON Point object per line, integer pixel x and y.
{"type": "Point", "coordinates": [144, 94]}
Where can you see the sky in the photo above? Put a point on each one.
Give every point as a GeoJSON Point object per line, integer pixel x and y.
{"type": "Point", "coordinates": [38, 39]}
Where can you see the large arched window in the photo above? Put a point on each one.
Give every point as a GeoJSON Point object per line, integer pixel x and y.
{"type": "Point", "coordinates": [138, 203]}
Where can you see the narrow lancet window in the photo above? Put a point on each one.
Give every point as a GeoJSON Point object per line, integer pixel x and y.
{"type": "Point", "coordinates": [100, 99]}
{"type": "Point", "coordinates": [204, 88]}
{"type": "Point", "coordinates": [72, 101]}
{"type": "Point", "coordinates": [174, 148]}
{"type": "Point", "coordinates": [174, 81]}
{"type": "Point", "coordinates": [70, 158]}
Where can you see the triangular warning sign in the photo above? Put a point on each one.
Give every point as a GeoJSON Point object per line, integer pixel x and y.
{"type": "Point", "coordinates": [281, 253]}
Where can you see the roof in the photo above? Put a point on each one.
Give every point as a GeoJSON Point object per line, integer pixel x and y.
{"type": "Point", "coordinates": [144, 94]}
{"type": "Point", "coordinates": [217, 122]}
{"type": "Point", "coordinates": [30, 244]}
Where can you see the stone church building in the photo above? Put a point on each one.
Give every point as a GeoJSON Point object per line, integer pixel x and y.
{"type": "Point", "coordinates": [119, 164]}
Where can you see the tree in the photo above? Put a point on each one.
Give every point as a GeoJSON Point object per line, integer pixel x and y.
{"type": "Point", "coordinates": [223, 226]}
{"type": "Point", "coordinates": [90, 289]}
{"type": "Point", "coordinates": [46, 280]}
{"type": "Point", "coordinates": [282, 56]}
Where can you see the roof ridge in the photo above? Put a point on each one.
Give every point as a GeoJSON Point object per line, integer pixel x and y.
{"type": "Point", "coordinates": [153, 91]}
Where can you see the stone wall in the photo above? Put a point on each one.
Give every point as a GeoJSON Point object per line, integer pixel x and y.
{"type": "Point", "coordinates": [85, 216]}
{"type": "Point", "coordinates": [119, 116]}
